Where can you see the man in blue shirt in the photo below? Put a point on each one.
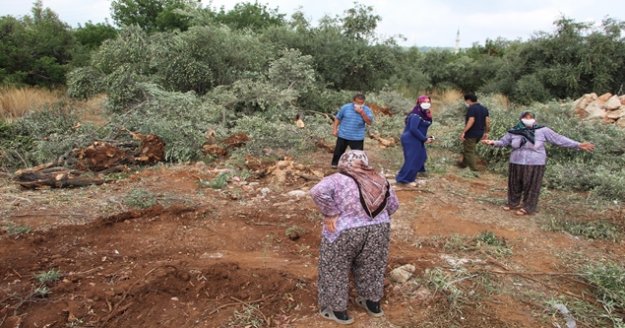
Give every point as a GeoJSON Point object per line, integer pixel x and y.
{"type": "Point", "coordinates": [476, 127]}
{"type": "Point", "coordinates": [349, 126]}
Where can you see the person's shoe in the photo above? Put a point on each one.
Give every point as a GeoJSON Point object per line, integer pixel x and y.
{"type": "Point", "coordinates": [340, 317]}
{"type": "Point", "coordinates": [373, 308]}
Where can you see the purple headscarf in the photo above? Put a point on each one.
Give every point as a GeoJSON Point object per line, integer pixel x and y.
{"type": "Point", "coordinates": [423, 113]}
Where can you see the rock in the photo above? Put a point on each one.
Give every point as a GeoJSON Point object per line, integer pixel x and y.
{"type": "Point", "coordinates": [595, 111]}
{"type": "Point", "coordinates": [604, 97]}
{"type": "Point", "coordinates": [613, 103]}
{"type": "Point", "coordinates": [616, 114]}
{"type": "Point", "coordinates": [621, 122]}
{"type": "Point", "coordinates": [584, 101]}
{"type": "Point", "coordinates": [216, 255]}
{"type": "Point", "coordinates": [622, 99]}
{"type": "Point", "coordinates": [402, 273]}
{"type": "Point", "coordinates": [297, 193]}
{"type": "Point", "coordinates": [264, 191]}
{"type": "Point", "coordinates": [423, 293]}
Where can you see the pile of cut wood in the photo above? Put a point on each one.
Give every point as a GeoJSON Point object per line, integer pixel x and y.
{"type": "Point", "coordinates": [86, 166]}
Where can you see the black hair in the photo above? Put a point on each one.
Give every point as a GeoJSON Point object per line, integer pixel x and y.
{"type": "Point", "coordinates": [359, 96]}
{"type": "Point", "coordinates": [470, 96]}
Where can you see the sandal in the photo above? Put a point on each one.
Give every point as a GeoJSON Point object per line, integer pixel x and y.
{"type": "Point", "coordinates": [521, 212]}
{"type": "Point", "coordinates": [339, 317]}
{"type": "Point", "coordinates": [373, 308]}
{"type": "Point", "coordinates": [510, 207]}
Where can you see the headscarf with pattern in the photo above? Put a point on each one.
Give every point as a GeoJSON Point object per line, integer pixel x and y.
{"type": "Point", "coordinates": [373, 187]}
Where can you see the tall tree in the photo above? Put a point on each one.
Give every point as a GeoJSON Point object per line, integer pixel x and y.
{"type": "Point", "coordinates": [250, 15]}
{"type": "Point", "coordinates": [36, 49]}
{"type": "Point", "coordinates": [153, 15]}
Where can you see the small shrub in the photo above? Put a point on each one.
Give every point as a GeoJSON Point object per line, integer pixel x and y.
{"type": "Point", "coordinates": [48, 277]}
{"type": "Point", "coordinates": [609, 282]}
{"type": "Point", "coordinates": [489, 238]}
{"type": "Point", "coordinates": [492, 244]}
{"type": "Point", "coordinates": [42, 291]}
{"type": "Point", "coordinates": [140, 198]}
{"type": "Point", "coordinates": [219, 182]}
{"type": "Point", "coordinates": [437, 280]}
{"type": "Point", "coordinates": [250, 316]}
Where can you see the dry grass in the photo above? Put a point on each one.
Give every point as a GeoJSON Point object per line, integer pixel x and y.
{"type": "Point", "coordinates": [17, 102]}
{"type": "Point", "coordinates": [91, 110]}
{"type": "Point", "coordinates": [501, 101]}
{"type": "Point", "coordinates": [447, 97]}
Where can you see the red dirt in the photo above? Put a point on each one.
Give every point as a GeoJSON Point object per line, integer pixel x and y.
{"type": "Point", "coordinates": [202, 255]}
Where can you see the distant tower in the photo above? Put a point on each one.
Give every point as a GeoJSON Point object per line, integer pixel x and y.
{"type": "Point", "coordinates": [457, 49]}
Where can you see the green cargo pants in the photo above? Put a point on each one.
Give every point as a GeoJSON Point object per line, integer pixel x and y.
{"type": "Point", "coordinates": [469, 158]}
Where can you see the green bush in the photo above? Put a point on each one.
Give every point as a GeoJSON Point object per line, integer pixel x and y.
{"type": "Point", "coordinates": [84, 82]}
{"type": "Point", "coordinates": [268, 134]}
{"type": "Point", "coordinates": [180, 119]}
{"type": "Point", "coordinates": [43, 136]}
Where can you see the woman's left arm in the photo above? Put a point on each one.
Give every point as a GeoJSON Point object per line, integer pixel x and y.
{"type": "Point", "coordinates": [393, 203]}
{"type": "Point", "coordinates": [558, 139]}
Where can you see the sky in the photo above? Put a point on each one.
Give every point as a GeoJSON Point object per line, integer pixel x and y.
{"type": "Point", "coordinates": [422, 23]}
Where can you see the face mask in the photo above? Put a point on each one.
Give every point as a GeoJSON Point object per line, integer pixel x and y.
{"type": "Point", "coordinates": [426, 105]}
{"type": "Point", "coordinates": [466, 105]}
{"type": "Point", "coordinates": [528, 121]}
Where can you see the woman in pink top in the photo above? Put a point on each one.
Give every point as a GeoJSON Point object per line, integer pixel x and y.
{"type": "Point", "coordinates": [357, 203]}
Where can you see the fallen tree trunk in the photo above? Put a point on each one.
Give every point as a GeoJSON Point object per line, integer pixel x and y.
{"type": "Point", "coordinates": [101, 156]}
{"type": "Point", "coordinates": [55, 177]}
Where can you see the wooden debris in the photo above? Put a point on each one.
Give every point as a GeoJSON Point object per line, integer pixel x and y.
{"type": "Point", "coordinates": [55, 177]}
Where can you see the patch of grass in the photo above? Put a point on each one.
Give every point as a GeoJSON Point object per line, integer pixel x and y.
{"type": "Point", "coordinates": [437, 280]}
{"type": "Point", "coordinates": [456, 243]}
{"type": "Point", "coordinates": [250, 316]}
{"type": "Point", "coordinates": [140, 198]}
{"type": "Point", "coordinates": [486, 242]}
{"type": "Point", "coordinates": [219, 182]}
{"type": "Point", "coordinates": [117, 176]}
{"type": "Point", "coordinates": [589, 229]}
{"type": "Point", "coordinates": [49, 276]}
{"type": "Point", "coordinates": [17, 102]}
{"type": "Point", "coordinates": [608, 279]}
{"type": "Point", "coordinates": [16, 230]}
{"type": "Point", "coordinates": [493, 245]}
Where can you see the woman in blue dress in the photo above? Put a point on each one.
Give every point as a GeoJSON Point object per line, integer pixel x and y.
{"type": "Point", "coordinates": [413, 141]}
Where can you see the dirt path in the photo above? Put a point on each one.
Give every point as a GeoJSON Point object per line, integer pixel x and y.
{"type": "Point", "coordinates": [204, 257]}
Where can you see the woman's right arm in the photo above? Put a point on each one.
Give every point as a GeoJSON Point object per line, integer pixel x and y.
{"type": "Point", "coordinates": [505, 141]}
